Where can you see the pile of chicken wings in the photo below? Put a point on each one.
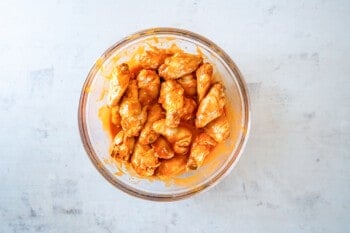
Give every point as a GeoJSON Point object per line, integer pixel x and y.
{"type": "Point", "coordinates": [170, 113]}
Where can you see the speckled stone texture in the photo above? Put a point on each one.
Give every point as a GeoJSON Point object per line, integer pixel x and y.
{"type": "Point", "coordinates": [294, 175]}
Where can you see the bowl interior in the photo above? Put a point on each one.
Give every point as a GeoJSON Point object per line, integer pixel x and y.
{"type": "Point", "coordinates": [97, 141]}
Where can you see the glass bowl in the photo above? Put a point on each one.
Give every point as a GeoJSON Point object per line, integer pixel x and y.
{"type": "Point", "coordinates": [217, 165]}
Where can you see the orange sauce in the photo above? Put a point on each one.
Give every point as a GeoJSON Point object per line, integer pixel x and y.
{"type": "Point", "coordinates": [116, 58]}
{"type": "Point", "coordinates": [104, 114]}
{"type": "Point", "coordinates": [174, 48]}
{"type": "Point", "coordinates": [169, 38]}
{"type": "Point", "coordinates": [155, 39]}
{"type": "Point", "coordinates": [199, 51]}
{"type": "Point", "coordinates": [99, 63]}
{"type": "Point", "coordinates": [118, 166]}
{"type": "Point", "coordinates": [103, 94]}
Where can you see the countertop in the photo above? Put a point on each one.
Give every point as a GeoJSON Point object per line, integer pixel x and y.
{"type": "Point", "coordinates": [294, 175]}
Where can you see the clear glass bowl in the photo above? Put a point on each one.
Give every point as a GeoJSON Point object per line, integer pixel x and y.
{"type": "Point", "coordinates": [221, 161]}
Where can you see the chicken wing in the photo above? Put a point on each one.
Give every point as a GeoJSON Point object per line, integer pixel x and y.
{"type": "Point", "coordinates": [172, 167]}
{"type": "Point", "coordinates": [147, 135]}
{"type": "Point", "coordinates": [211, 107]}
{"type": "Point", "coordinates": [180, 137]}
{"type": "Point", "coordinates": [151, 59]}
{"type": "Point", "coordinates": [179, 65]}
{"type": "Point", "coordinates": [189, 84]}
{"type": "Point", "coordinates": [144, 160]}
{"type": "Point", "coordinates": [204, 78]}
{"type": "Point", "coordinates": [115, 116]}
{"type": "Point", "coordinates": [132, 115]}
{"type": "Point", "coordinates": [122, 146]}
{"type": "Point", "coordinates": [218, 129]}
{"type": "Point", "coordinates": [162, 148]}
{"type": "Point", "coordinates": [200, 148]}
{"type": "Point", "coordinates": [148, 83]}
{"type": "Point", "coordinates": [172, 100]}
{"type": "Point", "coordinates": [118, 84]}
{"type": "Point", "coordinates": [188, 110]}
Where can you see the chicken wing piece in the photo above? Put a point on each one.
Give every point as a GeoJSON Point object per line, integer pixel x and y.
{"type": "Point", "coordinates": [118, 84]}
{"type": "Point", "coordinates": [201, 147]}
{"type": "Point", "coordinates": [162, 148]}
{"type": "Point", "coordinates": [115, 116]}
{"type": "Point", "coordinates": [148, 83]}
{"type": "Point", "coordinates": [172, 100]}
{"type": "Point", "coordinates": [204, 78]}
{"type": "Point", "coordinates": [147, 135]}
{"type": "Point", "coordinates": [179, 65]}
{"type": "Point", "coordinates": [173, 49]}
{"type": "Point", "coordinates": [144, 160]}
{"type": "Point", "coordinates": [172, 167]}
{"type": "Point", "coordinates": [218, 129]}
{"type": "Point", "coordinates": [132, 115]}
{"type": "Point", "coordinates": [211, 107]}
{"type": "Point", "coordinates": [188, 110]}
{"type": "Point", "coordinates": [180, 137]}
{"type": "Point", "coordinates": [122, 146]}
{"type": "Point", "coordinates": [152, 59]}
{"type": "Point", "coordinates": [189, 84]}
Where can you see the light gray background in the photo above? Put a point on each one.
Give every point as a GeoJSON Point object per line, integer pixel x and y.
{"type": "Point", "coordinates": [293, 175]}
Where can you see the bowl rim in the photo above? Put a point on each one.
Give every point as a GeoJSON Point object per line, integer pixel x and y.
{"type": "Point", "coordinates": [210, 182]}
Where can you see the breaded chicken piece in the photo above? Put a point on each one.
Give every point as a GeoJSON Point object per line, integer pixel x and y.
{"type": "Point", "coordinates": [118, 84]}
{"type": "Point", "coordinates": [115, 116]}
{"type": "Point", "coordinates": [211, 107]}
{"type": "Point", "coordinates": [172, 99]}
{"type": "Point", "coordinates": [188, 110]}
{"type": "Point", "coordinates": [122, 146]}
{"type": "Point", "coordinates": [144, 160]}
{"type": "Point", "coordinates": [204, 78]}
{"type": "Point", "coordinates": [218, 129]}
{"type": "Point", "coordinates": [180, 137]}
{"type": "Point", "coordinates": [189, 84]}
{"type": "Point", "coordinates": [148, 135]}
{"type": "Point", "coordinates": [201, 147]}
{"type": "Point", "coordinates": [152, 58]}
{"type": "Point", "coordinates": [132, 115]}
{"type": "Point", "coordinates": [179, 65]}
{"type": "Point", "coordinates": [172, 167]}
{"type": "Point", "coordinates": [148, 83]}
{"type": "Point", "coordinates": [162, 148]}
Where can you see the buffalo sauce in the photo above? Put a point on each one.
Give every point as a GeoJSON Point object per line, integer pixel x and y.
{"type": "Point", "coordinates": [104, 114]}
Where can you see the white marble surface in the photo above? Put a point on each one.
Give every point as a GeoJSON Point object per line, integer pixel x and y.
{"type": "Point", "coordinates": [294, 175]}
